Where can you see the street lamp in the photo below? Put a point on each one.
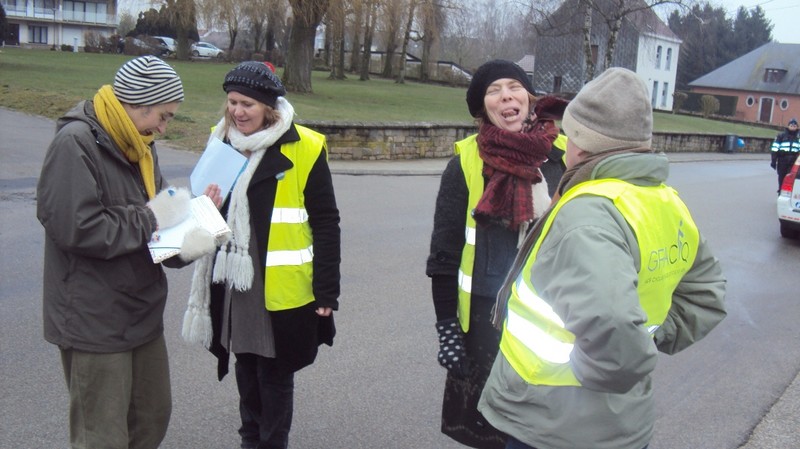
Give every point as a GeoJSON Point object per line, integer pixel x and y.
{"type": "Point", "coordinates": [55, 30]}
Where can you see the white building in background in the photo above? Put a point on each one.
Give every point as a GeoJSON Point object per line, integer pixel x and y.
{"type": "Point", "coordinates": [52, 23]}
{"type": "Point", "coordinates": [657, 65]}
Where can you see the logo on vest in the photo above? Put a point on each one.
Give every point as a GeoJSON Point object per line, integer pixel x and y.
{"type": "Point", "coordinates": [663, 258]}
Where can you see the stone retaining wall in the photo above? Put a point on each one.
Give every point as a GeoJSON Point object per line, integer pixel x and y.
{"type": "Point", "coordinates": [387, 141]}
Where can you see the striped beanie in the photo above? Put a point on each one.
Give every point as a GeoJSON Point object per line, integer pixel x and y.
{"type": "Point", "coordinates": [147, 81]}
{"type": "Point", "coordinates": [255, 80]}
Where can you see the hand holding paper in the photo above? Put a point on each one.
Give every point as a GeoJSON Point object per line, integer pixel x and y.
{"type": "Point", "coordinates": [170, 241]}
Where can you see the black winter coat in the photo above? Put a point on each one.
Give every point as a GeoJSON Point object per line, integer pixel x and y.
{"type": "Point", "coordinates": [297, 332]}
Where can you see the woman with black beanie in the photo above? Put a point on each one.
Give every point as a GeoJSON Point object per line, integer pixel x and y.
{"type": "Point", "coordinates": [491, 192]}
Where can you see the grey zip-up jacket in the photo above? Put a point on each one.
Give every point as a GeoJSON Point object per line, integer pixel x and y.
{"type": "Point", "coordinates": [586, 269]}
{"type": "Point", "coordinates": [101, 290]}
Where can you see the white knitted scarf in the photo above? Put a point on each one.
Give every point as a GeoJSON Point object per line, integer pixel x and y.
{"type": "Point", "coordinates": [233, 264]}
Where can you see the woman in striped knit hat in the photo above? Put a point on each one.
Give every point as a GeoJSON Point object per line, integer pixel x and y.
{"type": "Point", "coordinates": [100, 197]}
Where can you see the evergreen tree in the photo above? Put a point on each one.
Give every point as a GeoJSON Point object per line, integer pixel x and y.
{"type": "Point", "coordinates": [711, 39]}
{"type": "Point", "coordinates": [751, 30]}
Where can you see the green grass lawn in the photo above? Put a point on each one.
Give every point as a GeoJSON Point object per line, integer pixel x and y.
{"type": "Point", "coordinates": [49, 83]}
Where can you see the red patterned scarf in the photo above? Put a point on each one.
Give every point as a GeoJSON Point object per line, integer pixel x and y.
{"type": "Point", "coordinates": [511, 164]}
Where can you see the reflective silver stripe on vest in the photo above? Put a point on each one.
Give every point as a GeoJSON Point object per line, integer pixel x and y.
{"type": "Point", "coordinates": [540, 342]}
{"type": "Point", "coordinates": [299, 257]}
{"type": "Point", "coordinates": [465, 281]}
{"type": "Point", "coordinates": [469, 234]}
{"type": "Point", "coordinates": [289, 215]}
{"type": "Point", "coordinates": [787, 146]}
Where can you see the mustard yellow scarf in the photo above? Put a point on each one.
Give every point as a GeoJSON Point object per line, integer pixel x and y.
{"type": "Point", "coordinates": [118, 124]}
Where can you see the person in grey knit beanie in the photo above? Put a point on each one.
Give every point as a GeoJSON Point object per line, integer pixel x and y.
{"type": "Point", "coordinates": [614, 272]}
{"type": "Point", "coordinates": [611, 112]}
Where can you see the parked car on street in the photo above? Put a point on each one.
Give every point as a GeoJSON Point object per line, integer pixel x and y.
{"type": "Point", "coordinates": [145, 46]}
{"type": "Point", "coordinates": [789, 203]}
{"type": "Point", "coordinates": [167, 42]}
{"type": "Point", "coordinates": [206, 50]}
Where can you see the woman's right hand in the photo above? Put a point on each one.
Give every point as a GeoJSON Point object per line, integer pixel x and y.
{"type": "Point", "coordinates": [215, 193]}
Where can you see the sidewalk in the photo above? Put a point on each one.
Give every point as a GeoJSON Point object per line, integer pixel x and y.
{"type": "Point", "coordinates": [434, 167]}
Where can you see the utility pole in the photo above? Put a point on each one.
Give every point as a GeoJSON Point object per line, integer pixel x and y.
{"type": "Point", "coordinates": [55, 27]}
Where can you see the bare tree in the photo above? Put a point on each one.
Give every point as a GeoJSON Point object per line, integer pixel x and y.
{"type": "Point", "coordinates": [609, 14]}
{"type": "Point", "coordinates": [182, 16]}
{"type": "Point", "coordinates": [401, 75]}
{"type": "Point", "coordinates": [336, 28]}
{"type": "Point", "coordinates": [276, 26]}
{"type": "Point", "coordinates": [433, 18]}
{"type": "Point", "coordinates": [257, 14]}
{"type": "Point", "coordinates": [587, 39]}
{"type": "Point", "coordinates": [392, 12]}
{"type": "Point", "coordinates": [355, 41]}
{"type": "Point", "coordinates": [369, 31]}
{"type": "Point", "coordinates": [460, 43]}
{"type": "Point", "coordinates": [307, 17]}
{"type": "Point", "coordinates": [224, 14]}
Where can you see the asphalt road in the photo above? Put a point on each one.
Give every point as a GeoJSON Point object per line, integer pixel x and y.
{"type": "Point", "coordinates": [380, 384]}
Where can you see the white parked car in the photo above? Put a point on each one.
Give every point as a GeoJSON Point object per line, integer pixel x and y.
{"type": "Point", "coordinates": [206, 50]}
{"type": "Point", "coordinates": [789, 203]}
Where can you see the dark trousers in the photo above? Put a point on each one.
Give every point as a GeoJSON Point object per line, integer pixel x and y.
{"type": "Point", "coordinates": [266, 400]}
{"type": "Point", "coordinates": [516, 444]}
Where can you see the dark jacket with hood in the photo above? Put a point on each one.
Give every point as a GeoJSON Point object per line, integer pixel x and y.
{"type": "Point", "coordinates": [101, 290]}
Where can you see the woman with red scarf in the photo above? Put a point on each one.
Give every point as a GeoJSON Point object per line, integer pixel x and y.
{"type": "Point", "coordinates": [491, 192]}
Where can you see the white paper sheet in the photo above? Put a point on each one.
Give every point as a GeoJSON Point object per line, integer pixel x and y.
{"type": "Point", "coordinates": [219, 164]}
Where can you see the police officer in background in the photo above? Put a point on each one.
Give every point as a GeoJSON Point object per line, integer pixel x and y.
{"type": "Point", "coordinates": [785, 149]}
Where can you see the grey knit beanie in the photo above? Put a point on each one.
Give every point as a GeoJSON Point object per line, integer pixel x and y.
{"type": "Point", "coordinates": [147, 81]}
{"type": "Point", "coordinates": [255, 80]}
{"type": "Point", "coordinates": [611, 112]}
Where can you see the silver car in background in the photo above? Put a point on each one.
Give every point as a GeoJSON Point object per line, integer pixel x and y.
{"type": "Point", "coordinates": [206, 50]}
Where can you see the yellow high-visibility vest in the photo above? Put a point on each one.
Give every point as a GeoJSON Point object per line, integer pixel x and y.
{"type": "Point", "coordinates": [535, 341]}
{"type": "Point", "coordinates": [472, 166]}
{"type": "Point", "coordinates": [290, 249]}
{"type": "Point", "coordinates": [561, 144]}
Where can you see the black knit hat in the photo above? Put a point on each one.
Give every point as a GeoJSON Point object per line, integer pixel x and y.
{"type": "Point", "coordinates": [255, 80]}
{"type": "Point", "coordinates": [487, 74]}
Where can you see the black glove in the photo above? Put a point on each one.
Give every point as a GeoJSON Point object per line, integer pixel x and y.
{"type": "Point", "coordinates": [452, 353]}
{"type": "Point", "coordinates": [773, 165]}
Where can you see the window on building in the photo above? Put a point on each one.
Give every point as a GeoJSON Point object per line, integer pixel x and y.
{"type": "Point", "coordinates": [557, 84]}
{"type": "Point", "coordinates": [784, 104]}
{"type": "Point", "coordinates": [658, 57]}
{"type": "Point", "coordinates": [664, 93]}
{"type": "Point", "coordinates": [37, 35]}
{"type": "Point", "coordinates": [654, 95]}
{"type": "Point", "coordinates": [44, 5]}
{"type": "Point", "coordinates": [774, 75]}
{"type": "Point", "coordinates": [668, 62]}
{"type": "Point", "coordinates": [750, 101]}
